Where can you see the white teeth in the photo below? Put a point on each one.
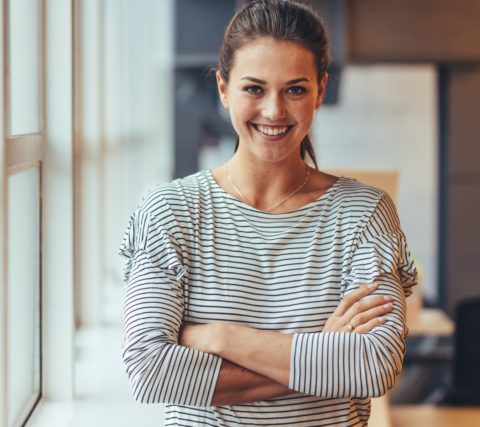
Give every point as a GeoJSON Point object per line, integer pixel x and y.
{"type": "Point", "coordinates": [272, 130]}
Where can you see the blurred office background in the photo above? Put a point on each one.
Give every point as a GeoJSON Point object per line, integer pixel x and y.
{"type": "Point", "coordinates": [104, 99]}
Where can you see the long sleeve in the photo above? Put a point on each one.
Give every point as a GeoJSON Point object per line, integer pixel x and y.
{"type": "Point", "coordinates": [160, 370]}
{"type": "Point", "coordinates": [334, 365]}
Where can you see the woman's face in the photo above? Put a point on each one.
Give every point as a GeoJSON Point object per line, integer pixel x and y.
{"type": "Point", "coordinates": [272, 95]}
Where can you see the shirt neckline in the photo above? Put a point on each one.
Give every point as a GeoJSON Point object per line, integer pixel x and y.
{"type": "Point", "coordinates": [244, 206]}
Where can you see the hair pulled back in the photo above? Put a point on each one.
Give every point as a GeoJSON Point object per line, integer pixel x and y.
{"type": "Point", "coordinates": [283, 20]}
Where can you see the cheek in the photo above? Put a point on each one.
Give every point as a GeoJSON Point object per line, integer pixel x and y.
{"type": "Point", "coordinates": [241, 112]}
{"type": "Point", "coordinates": [306, 114]}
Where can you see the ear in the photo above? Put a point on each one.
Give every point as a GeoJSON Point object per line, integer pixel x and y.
{"type": "Point", "coordinates": [222, 89]}
{"type": "Point", "coordinates": [322, 87]}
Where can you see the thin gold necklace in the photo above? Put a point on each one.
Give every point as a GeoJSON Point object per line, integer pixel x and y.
{"type": "Point", "coordinates": [242, 197]}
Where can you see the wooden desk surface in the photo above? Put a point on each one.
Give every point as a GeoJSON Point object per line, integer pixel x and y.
{"type": "Point", "coordinates": [434, 416]}
{"type": "Point", "coordinates": [430, 321]}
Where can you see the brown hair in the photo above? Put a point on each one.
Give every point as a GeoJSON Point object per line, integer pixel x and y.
{"type": "Point", "coordinates": [283, 20]}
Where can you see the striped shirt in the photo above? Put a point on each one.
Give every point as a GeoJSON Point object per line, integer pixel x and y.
{"type": "Point", "coordinates": [196, 254]}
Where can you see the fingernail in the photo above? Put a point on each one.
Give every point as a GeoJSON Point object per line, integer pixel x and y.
{"type": "Point", "coordinates": [388, 298]}
{"type": "Point", "coordinates": [372, 285]}
{"type": "Point", "coordinates": [382, 319]}
{"type": "Point", "coordinates": [389, 305]}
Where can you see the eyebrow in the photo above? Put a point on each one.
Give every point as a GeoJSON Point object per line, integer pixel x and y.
{"type": "Point", "coordinates": [262, 82]}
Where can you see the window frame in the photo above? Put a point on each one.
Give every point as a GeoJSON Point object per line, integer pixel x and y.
{"type": "Point", "coordinates": [19, 153]}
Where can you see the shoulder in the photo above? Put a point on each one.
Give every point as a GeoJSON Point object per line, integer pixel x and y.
{"type": "Point", "coordinates": [373, 206]}
{"type": "Point", "coordinates": [356, 192]}
{"type": "Point", "coordinates": [352, 193]}
{"type": "Point", "coordinates": [176, 206]}
{"type": "Point", "coordinates": [175, 195]}
{"type": "Point", "coordinates": [355, 201]}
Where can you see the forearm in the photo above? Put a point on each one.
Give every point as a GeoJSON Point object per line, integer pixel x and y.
{"type": "Point", "coordinates": [237, 385]}
{"type": "Point", "coordinates": [368, 362]}
{"type": "Point", "coordinates": [240, 380]}
{"type": "Point", "coordinates": [266, 353]}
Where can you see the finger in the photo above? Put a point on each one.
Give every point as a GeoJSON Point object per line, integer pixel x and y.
{"type": "Point", "coordinates": [348, 327]}
{"type": "Point", "coordinates": [354, 296]}
{"type": "Point", "coordinates": [367, 327]}
{"type": "Point", "coordinates": [366, 304]}
{"type": "Point", "coordinates": [368, 315]}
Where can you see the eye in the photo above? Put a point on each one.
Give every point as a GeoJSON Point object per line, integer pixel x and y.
{"type": "Point", "coordinates": [296, 90]}
{"type": "Point", "coordinates": [253, 90]}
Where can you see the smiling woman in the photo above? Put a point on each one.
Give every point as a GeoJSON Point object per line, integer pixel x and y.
{"type": "Point", "coordinates": [266, 292]}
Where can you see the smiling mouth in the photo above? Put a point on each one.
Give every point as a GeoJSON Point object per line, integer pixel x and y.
{"type": "Point", "coordinates": [272, 130]}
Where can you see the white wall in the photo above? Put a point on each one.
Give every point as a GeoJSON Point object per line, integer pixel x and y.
{"type": "Point", "coordinates": [387, 119]}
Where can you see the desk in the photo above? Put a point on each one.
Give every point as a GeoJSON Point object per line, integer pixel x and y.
{"type": "Point", "coordinates": [430, 321]}
{"type": "Point", "coordinates": [434, 416]}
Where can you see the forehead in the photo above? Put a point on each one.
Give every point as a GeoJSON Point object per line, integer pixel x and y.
{"type": "Point", "coordinates": [267, 58]}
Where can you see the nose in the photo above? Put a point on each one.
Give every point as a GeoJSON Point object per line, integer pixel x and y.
{"type": "Point", "coordinates": [273, 107]}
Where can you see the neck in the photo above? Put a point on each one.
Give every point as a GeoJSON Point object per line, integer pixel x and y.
{"type": "Point", "coordinates": [263, 185]}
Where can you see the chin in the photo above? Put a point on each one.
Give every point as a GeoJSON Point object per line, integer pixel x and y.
{"type": "Point", "coordinates": [277, 157]}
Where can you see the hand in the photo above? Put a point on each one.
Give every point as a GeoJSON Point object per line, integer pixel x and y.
{"type": "Point", "coordinates": [356, 313]}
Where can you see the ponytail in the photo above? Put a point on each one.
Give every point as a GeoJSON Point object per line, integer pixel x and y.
{"type": "Point", "coordinates": [306, 147]}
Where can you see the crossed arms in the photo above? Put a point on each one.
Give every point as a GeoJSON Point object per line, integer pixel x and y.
{"type": "Point", "coordinates": [222, 364]}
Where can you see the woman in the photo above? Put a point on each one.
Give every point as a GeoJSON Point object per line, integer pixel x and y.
{"type": "Point", "coordinates": [244, 302]}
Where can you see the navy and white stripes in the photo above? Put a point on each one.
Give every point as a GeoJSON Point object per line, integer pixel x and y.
{"type": "Point", "coordinates": [195, 254]}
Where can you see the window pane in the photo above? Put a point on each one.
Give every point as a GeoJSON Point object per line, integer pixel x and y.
{"type": "Point", "coordinates": [23, 292]}
{"type": "Point", "coordinates": [24, 66]}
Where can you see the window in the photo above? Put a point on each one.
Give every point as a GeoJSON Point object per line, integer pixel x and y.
{"type": "Point", "coordinates": [23, 301]}
{"type": "Point", "coordinates": [21, 169]}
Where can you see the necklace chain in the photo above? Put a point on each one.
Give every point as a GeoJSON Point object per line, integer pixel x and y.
{"type": "Point", "coordinates": [242, 197]}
